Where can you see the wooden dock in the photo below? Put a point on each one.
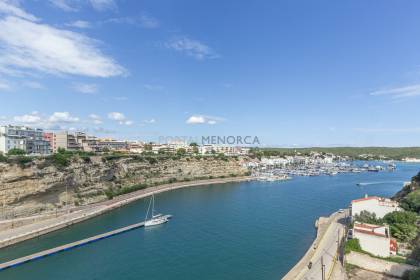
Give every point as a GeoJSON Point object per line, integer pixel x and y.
{"type": "Point", "coordinates": [68, 246]}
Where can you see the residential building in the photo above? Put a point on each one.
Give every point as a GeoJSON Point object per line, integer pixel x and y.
{"type": "Point", "coordinates": [65, 140]}
{"type": "Point", "coordinates": [135, 147]}
{"type": "Point", "coordinates": [373, 204]}
{"type": "Point", "coordinates": [375, 239]}
{"type": "Point", "coordinates": [111, 144]}
{"type": "Point", "coordinates": [25, 138]}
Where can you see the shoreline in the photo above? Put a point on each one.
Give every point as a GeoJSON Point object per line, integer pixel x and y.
{"type": "Point", "coordinates": [16, 235]}
{"type": "Point", "coordinates": [322, 224]}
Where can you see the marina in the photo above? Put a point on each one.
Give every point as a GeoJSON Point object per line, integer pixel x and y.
{"type": "Point", "coordinates": [214, 228]}
{"type": "Point", "coordinates": [278, 169]}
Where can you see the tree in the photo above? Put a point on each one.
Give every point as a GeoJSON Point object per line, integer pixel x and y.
{"type": "Point", "coordinates": [181, 151]}
{"type": "Point", "coordinates": [402, 225]}
{"type": "Point", "coordinates": [400, 217]}
{"type": "Point", "coordinates": [367, 217]}
{"type": "Point", "coordinates": [16, 152]}
{"type": "Point", "coordinates": [412, 201]}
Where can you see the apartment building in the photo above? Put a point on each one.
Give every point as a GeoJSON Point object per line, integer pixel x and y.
{"type": "Point", "coordinates": [373, 204]}
{"type": "Point", "coordinates": [375, 239]}
{"type": "Point", "coordinates": [25, 138]}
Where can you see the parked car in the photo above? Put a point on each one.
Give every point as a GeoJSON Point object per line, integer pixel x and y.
{"type": "Point", "coordinates": [350, 234]}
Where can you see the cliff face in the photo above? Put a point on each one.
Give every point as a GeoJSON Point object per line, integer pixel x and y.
{"type": "Point", "coordinates": [40, 185]}
{"type": "Point", "coordinates": [413, 186]}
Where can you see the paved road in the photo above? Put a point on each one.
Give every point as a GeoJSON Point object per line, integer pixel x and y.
{"type": "Point", "coordinates": [326, 252]}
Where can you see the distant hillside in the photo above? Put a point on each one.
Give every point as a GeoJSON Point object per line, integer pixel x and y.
{"type": "Point", "coordinates": [353, 152]}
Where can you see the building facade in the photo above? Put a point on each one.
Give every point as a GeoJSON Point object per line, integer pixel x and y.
{"type": "Point", "coordinates": [31, 140]}
{"type": "Point", "coordinates": [373, 204]}
{"type": "Point", "coordinates": [375, 239]}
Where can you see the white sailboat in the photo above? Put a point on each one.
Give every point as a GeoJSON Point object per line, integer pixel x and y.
{"type": "Point", "coordinates": [155, 219]}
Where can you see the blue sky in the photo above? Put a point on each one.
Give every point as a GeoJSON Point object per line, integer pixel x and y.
{"type": "Point", "coordinates": [306, 73]}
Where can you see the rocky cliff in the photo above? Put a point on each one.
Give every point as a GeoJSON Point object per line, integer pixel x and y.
{"type": "Point", "coordinates": [409, 195]}
{"type": "Point", "coordinates": [40, 185]}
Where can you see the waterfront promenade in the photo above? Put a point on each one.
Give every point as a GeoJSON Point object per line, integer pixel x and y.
{"type": "Point", "coordinates": [323, 251]}
{"type": "Point", "coordinates": [15, 235]}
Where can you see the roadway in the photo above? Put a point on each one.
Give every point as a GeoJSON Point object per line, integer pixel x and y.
{"type": "Point", "coordinates": [325, 257]}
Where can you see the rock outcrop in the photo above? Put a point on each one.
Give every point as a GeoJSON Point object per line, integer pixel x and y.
{"type": "Point", "coordinates": [40, 185]}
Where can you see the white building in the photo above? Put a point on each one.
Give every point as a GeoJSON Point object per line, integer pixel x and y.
{"type": "Point", "coordinates": [375, 239]}
{"type": "Point", "coordinates": [373, 204]}
{"type": "Point", "coordinates": [25, 138]}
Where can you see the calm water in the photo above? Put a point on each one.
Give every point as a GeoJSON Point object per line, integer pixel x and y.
{"type": "Point", "coordinates": [250, 230]}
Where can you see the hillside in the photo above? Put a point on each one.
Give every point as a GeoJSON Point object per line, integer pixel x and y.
{"type": "Point", "coordinates": [36, 185]}
{"type": "Point", "coordinates": [352, 152]}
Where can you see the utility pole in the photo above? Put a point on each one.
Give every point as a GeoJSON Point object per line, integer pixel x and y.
{"type": "Point", "coordinates": [322, 268]}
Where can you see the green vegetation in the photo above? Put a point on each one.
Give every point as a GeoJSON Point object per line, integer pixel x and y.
{"type": "Point", "coordinates": [3, 158]}
{"type": "Point", "coordinates": [401, 223]}
{"type": "Point", "coordinates": [113, 192]}
{"type": "Point", "coordinates": [353, 152]}
{"type": "Point", "coordinates": [352, 245]}
{"type": "Point", "coordinates": [412, 275]}
{"type": "Point", "coordinates": [368, 218]}
{"type": "Point", "coordinates": [412, 201]}
{"type": "Point", "coordinates": [16, 152]}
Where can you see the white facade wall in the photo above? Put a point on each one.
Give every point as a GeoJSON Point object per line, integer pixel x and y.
{"type": "Point", "coordinates": [375, 205]}
{"type": "Point", "coordinates": [373, 244]}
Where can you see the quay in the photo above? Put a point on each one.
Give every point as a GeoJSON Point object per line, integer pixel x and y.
{"type": "Point", "coordinates": [68, 246]}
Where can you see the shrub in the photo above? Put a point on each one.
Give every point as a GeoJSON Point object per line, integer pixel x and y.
{"type": "Point", "coordinates": [352, 245]}
{"type": "Point", "coordinates": [16, 152]}
{"type": "Point", "coordinates": [61, 159]}
{"type": "Point", "coordinates": [3, 158]}
{"type": "Point", "coordinates": [368, 218]}
{"type": "Point", "coordinates": [402, 225]}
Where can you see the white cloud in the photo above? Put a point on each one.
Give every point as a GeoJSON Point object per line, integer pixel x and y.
{"type": "Point", "coordinates": [64, 5]}
{"type": "Point", "coordinates": [80, 24]}
{"type": "Point", "coordinates": [151, 121]}
{"type": "Point", "coordinates": [120, 118]}
{"type": "Point", "coordinates": [399, 92]}
{"type": "Point", "coordinates": [116, 116]}
{"type": "Point", "coordinates": [43, 121]}
{"type": "Point", "coordinates": [85, 88]}
{"type": "Point", "coordinates": [95, 119]}
{"type": "Point", "coordinates": [62, 117]}
{"type": "Point", "coordinates": [11, 8]}
{"type": "Point", "coordinates": [201, 119]}
{"type": "Point", "coordinates": [32, 118]}
{"type": "Point", "coordinates": [148, 22]}
{"type": "Point", "coordinates": [5, 86]}
{"type": "Point", "coordinates": [192, 48]}
{"type": "Point", "coordinates": [102, 5]}
{"type": "Point", "coordinates": [29, 45]}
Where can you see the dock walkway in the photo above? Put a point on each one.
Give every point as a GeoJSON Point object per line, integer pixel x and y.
{"type": "Point", "coordinates": [68, 246]}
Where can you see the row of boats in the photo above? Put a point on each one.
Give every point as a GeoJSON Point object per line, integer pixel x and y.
{"type": "Point", "coordinates": [286, 172]}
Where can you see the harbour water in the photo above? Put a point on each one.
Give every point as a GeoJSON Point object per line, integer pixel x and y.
{"type": "Point", "coordinates": [247, 230]}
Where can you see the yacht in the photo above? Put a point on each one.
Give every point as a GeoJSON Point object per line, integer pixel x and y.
{"type": "Point", "coordinates": [155, 219]}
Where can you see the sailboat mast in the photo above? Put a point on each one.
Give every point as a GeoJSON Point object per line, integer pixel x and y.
{"type": "Point", "coordinates": [153, 205]}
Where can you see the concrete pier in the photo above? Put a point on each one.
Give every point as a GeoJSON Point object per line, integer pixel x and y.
{"type": "Point", "coordinates": [68, 246]}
